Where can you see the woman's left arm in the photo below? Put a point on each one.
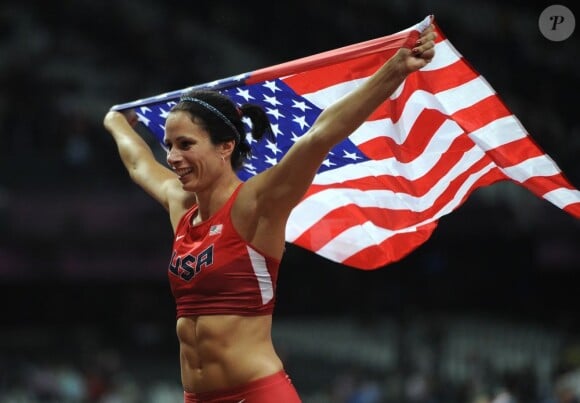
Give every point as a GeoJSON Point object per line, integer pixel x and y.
{"type": "Point", "coordinates": [285, 184]}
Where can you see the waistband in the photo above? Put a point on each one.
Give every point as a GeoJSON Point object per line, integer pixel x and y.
{"type": "Point", "coordinates": [269, 380]}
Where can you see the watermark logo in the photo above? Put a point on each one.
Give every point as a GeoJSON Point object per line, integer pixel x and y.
{"type": "Point", "coordinates": [557, 23]}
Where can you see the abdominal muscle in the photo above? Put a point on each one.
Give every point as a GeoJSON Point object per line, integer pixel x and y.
{"type": "Point", "coordinates": [223, 351]}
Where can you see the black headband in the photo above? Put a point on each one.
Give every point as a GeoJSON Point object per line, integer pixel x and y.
{"type": "Point", "coordinates": [216, 112]}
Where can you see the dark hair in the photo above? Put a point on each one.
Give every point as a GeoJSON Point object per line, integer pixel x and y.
{"type": "Point", "coordinates": [223, 120]}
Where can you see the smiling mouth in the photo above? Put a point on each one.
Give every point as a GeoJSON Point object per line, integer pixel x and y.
{"type": "Point", "coordinates": [181, 172]}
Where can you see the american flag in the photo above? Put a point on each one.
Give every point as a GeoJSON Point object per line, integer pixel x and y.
{"type": "Point", "coordinates": [380, 193]}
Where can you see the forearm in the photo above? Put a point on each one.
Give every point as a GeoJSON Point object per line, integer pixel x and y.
{"type": "Point", "coordinates": [131, 146]}
{"type": "Point", "coordinates": [132, 150]}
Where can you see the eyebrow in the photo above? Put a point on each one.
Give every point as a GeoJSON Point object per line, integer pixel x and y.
{"type": "Point", "coordinates": [179, 138]}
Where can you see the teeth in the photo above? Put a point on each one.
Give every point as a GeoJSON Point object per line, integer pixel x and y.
{"type": "Point", "coordinates": [182, 172]}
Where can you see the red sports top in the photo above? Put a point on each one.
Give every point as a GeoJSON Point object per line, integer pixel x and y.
{"type": "Point", "coordinates": [214, 271]}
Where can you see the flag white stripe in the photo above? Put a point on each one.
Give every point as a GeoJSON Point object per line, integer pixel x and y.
{"type": "Point", "coordinates": [327, 96]}
{"type": "Point", "coordinates": [465, 95]}
{"type": "Point", "coordinates": [562, 197]}
{"type": "Point", "coordinates": [498, 133]}
{"type": "Point", "coordinates": [445, 55]}
{"type": "Point", "coordinates": [537, 166]}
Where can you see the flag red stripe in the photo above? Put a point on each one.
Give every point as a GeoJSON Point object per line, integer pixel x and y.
{"type": "Point", "coordinates": [515, 152]}
{"type": "Point", "coordinates": [573, 209]}
{"type": "Point", "coordinates": [326, 76]}
{"type": "Point", "coordinates": [384, 46]}
{"type": "Point", "coordinates": [481, 114]}
{"type": "Point", "coordinates": [543, 184]}
{"type": "Point", "coordinates": [443, 79]}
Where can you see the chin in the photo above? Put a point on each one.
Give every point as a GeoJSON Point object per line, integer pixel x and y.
{"type": "Point", "coordinates": [189, 187]}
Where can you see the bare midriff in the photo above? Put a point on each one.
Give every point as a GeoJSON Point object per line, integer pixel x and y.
{"type": "Point", "coordinates": [222, 351]}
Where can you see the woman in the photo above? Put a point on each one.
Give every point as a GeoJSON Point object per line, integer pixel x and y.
{"type": "Point", "coordinates": [230, 235]}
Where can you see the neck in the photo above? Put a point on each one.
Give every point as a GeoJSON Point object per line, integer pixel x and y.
{"type": "Point", "coordinates": [211, 200]}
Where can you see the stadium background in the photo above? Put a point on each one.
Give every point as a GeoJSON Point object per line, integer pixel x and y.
{"type": "Point", "coordinates": [488, 303]}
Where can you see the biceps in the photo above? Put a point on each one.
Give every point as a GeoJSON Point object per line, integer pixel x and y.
{"type": "Point", "coordinates": [288, 181]}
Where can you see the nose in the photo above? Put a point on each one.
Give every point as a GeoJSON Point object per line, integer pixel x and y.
{"type": "Point", "coordinates": [173, 157]}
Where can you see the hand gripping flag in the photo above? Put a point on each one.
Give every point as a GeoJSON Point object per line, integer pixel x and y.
{"type": "Point", "coordinates": [380, 193]}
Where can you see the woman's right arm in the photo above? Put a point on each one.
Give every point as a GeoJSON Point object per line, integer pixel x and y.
{"type": "Point", "coordinates": [144, 169]}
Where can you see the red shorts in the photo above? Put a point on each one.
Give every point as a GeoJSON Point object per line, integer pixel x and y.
{"type": "Point", "coordinates": [273, 388]}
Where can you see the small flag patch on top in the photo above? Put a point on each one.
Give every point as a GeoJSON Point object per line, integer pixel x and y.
{"type": "Point", "coordinates": [215, 229]}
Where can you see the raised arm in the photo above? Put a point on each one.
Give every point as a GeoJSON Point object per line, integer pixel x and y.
{"type": "Point", "coordinates": [287, 182]}
{"type": "Point", "coordinates": [144, 169]}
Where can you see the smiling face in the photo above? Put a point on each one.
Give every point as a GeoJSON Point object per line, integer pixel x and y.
{"type": "Point", "coordinates": [190, 152]}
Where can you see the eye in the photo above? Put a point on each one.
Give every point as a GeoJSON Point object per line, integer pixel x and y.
{"type": "Point", "coordinates": [185, 144]}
